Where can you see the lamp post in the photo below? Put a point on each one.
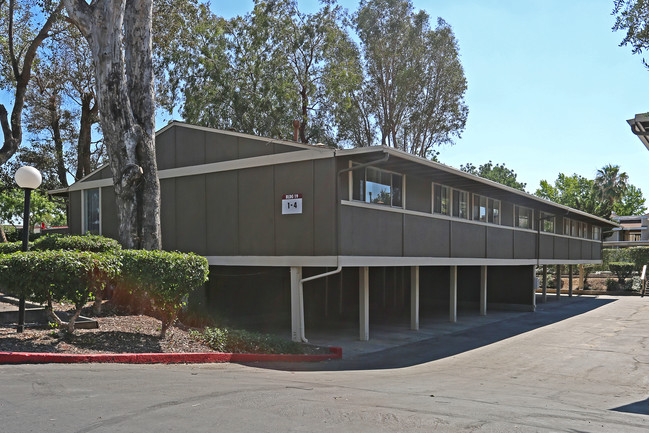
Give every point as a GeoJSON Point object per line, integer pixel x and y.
{"type": "Point", "coordinates": [27, 178]}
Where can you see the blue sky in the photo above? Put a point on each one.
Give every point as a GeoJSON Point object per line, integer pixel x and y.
{"type": "Point", "coordinates": [549, 89]}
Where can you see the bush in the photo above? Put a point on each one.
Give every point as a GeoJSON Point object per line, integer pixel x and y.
{"type": "Point", "coordinates": [639, 256]}
{"type": "Point", "coordinates": [239, 341]}
{"type": "Point", "coordinates": [10, 247]}
{"type": "Point", "coordinates": [17, 235]}
{"type": "Point", "coordinates": [166, 278]}
{"type": "Point", "coordinates": [74, 276]}
{"type": "Point", "coordinates": [614, 255]}
{"type": "Point", "coordinates": [623, 270]}
{"type": "Point", "coordinates": [612, 285]}
{"type": "Point", "coordinates": [94, 243]}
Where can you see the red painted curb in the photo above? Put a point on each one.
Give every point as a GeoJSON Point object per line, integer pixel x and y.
{"type": "Point", "coordinates": [160, 358]}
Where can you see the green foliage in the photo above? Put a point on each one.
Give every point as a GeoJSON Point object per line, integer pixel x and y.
{"type": "Point", "coordinates": [166, 278]}
{"type": "Point", "coordinates": [633, 16]}
{"type": "Point", "coordinates": [632, 202]}
{"type": "Point", "coordinates": [73, 276]}
{"type": "Point", "coordinates": [639, 256]}
{"type": "Point", "coordinates": [623, 270]}
{"type": "Point", "coordinates": [43, 209]}
{"type": "Point", "coordinates": [88, 242]}
{"type": "Point", "coordinates": [10, 247]}
{"type": "Point", "coordinates": [77, 276]}
{"type": "Point", "coordinates": [612, 285]}
{"type": "Point", "coordinates": [600, 196]}
{"type": "Point", "coordinates": [414, 78]}
{"type": "Point", "coordinates": [240, 341]}
{"type": "Point", "coordinates": [498, 173]}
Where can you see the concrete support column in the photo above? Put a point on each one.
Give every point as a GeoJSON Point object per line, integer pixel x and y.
{"type": "Point", "coordinates": [483, 290]}
{"type": "Point", "coordinates": [557, 281]}
{"type": "Point", "coordinates": [364, 302]}
{"type": "Point", "coordinates": [453, 295]}
{"type": "Point", "coordinates": [545, 283]}
{"type": "Point", "coordinates": [414, 298]}
{"type": "Point", "coordinates": [570, 269]}
{"type": "Point", "coordinates": [535, 286]}
{"type": "Point", "coordinates": [297, 305]}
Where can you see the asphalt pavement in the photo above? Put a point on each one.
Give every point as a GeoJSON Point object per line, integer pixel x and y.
{"type": "Point", "coordinates": [580, 365]}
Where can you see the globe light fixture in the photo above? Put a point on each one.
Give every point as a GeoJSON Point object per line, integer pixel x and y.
{"type": "Point", "coordinates": [27, 178]}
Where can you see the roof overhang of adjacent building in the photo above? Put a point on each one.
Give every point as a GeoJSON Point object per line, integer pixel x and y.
{"type": "Point", "coordinates": [640, 127]}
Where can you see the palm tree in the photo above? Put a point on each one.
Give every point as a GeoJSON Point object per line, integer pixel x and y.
{"type": "Point", "coordinates": [611, 183]}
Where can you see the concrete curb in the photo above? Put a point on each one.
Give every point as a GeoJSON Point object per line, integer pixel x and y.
{"type": "Point", "coordinates": [160, 358]}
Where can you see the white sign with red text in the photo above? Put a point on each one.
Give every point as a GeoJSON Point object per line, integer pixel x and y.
{"type": "Point", "coordinates": [291, 204]}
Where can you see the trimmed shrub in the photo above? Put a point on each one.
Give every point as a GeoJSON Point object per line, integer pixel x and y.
{"type": "Point", "coordinates": [613, 255]}
{"type": "Point", "coordinates": [73, 276]}
{"type": "Point", "coordinates": [639, 256]}
{"type": "Point", "coordinates": [623, 270]}
{"type": "Point", "coordinates": [93, 243]}
{"type": "Point", "coordinates": [612, 285]}
{"type": "Point", "coordinates": [166, 278]}
{"type": "Point", "coordinates": [10, 247]}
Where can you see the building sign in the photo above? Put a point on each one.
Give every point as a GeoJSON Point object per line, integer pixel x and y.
{"type": "Point", "coordinates": [291, 204]}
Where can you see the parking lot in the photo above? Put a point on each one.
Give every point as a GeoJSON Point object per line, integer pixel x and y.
{"type": "Point", "coordinates": [579, 364]}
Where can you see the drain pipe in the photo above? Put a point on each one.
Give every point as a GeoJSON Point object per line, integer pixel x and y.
{"type": "Point", "coordinates": [339, 266]}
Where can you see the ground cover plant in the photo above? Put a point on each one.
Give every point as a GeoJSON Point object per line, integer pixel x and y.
{"type": "Point", "coordinates": [240, 341]}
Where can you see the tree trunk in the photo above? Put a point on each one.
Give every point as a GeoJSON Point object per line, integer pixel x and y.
{"type": "Point", "coordinates": [119, 36]}
{"type": "Point", "coordinates": [3, 236]}
{"type": "Point", "coordinates": [88, 113]}
{"type": "Point", "coordinates": [55, 115]}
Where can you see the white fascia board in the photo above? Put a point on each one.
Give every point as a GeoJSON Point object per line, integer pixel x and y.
{"type": "Point", "coordinates": [379, 261]}
{"type": "Point", "coordinates": [217, 167]}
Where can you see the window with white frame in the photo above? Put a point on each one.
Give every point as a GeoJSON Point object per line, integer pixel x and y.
{"type": "Point", "coordinates": [566, 226]}
{"type": "Point", "coordinates": [597, 233]}
{"type": "Point", "coordinates": [374, 185]}
{"type": "Point", "coordinates": [583, 230]}
{"type": "Point", "coordinates": [460, 204]}
{"type": "Point", "coordinates": [91, 218]}
{"type": "Point", "coordinates": [441, 199]}
{"type": "Point", "coordinates": [486, 209]}
{"type": "Point", "coordinates": [547, 222]}
{"type": "Point", "coordinates": [523, 217]}
{"type": "Point", "coordinates": [574, 231]}
{"type": "Point", "coordinates": [480, 208]}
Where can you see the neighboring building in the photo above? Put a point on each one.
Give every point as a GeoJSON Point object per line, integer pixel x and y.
{"type": "Point", "coordinates": [640, 127]}
{"type": "Point", "coordinates": [398, 236]}
{"type": "Point", "coordinates": [632, 232]}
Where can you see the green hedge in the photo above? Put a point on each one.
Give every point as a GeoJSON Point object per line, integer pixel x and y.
{"type": "Point", "coordinates": [94, 243]}
{"type": "Point", "coordinates": [10, 247]}
{"type": "Point", "coordinates": [166, 278]}
{"type": "Point", "coordinates": [623, 270]}
{"type": "Point", "coordinates": [639, 256]}
{"type": "Point", "coordinates": [73, 276]}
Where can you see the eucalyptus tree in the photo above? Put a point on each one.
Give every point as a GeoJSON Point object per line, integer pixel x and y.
{"type": "Point", "coordinates": [119, 38]}
{"type": "Point", "coordinates": [632, 16]}
{"type": "Point", "coordinates": [62, 110]}
{"type": "Point", "coordinates": [415, 79]}
{"type": "Point", "coordinates": [498, 173]}
{"type": "Point", "coordinates": [25, 25]}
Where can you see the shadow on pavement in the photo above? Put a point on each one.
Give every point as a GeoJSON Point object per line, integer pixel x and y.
{"type": "Point", "coordinates": [639, 407]}
{"type": "Point", "coordinates": [444, 346]}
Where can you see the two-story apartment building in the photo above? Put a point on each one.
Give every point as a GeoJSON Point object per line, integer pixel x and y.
{"type": "Point", "coordinates": [301, 234]}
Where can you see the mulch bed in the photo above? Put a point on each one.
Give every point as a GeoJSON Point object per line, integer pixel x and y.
{"type": "Point", "coordinates": [118, 332]}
